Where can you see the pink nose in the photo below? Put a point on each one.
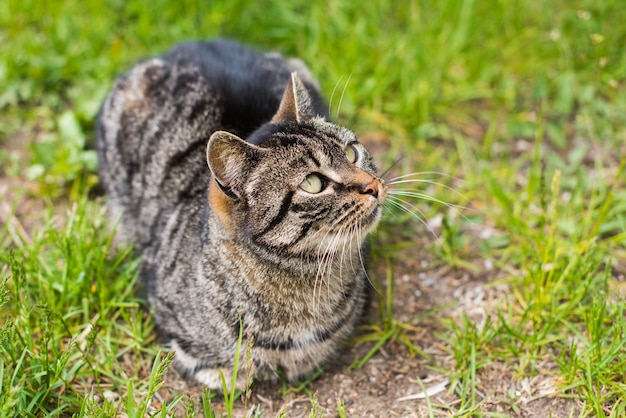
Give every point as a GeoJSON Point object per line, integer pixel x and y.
{"type": "Point", "coordinates": [370, 188]}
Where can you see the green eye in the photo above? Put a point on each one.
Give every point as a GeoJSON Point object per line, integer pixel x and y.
{"type": "Point", "coordinates": [351, 153]}
{"type": "Point", "coordinates": [313, 183]}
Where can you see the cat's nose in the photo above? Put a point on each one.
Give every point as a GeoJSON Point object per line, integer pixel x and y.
{"type": "Point", "coordinates": [370, 188]}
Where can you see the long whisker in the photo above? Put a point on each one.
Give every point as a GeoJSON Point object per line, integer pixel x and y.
{"type": "Point", "coordinates": [428, 181]}
{"type": "Point", "coordinates": [327, 250]}
{"type": "Point", "coordinates": [353, 232]}
{"type": "Point", "coordinates": [342, 94]}
{"type": "Point", "coordinates": [323, 254]}
{"type": "Point", "coordinates": [408, 208]}
{"type": "Point", "coordinates": [343, 254]}
{"type": "Point", "coordinates": [331, 252]}
{"type": "Point", "coordinates": [361, 257]}
{"type": "Point", "coordinates": [382, 176]}
{"type": "Point", "coordinates": [411, 210]}
{"type": "Point", "coordinates": [425, 197]}
{"type": "Point", "coordinates": [339, 239]}
{"type": "Point", "coordinates": [424, 173]}
{"type": "Point", "coordinates": [330, 102]}
{"type": "Point", "coordinates": [319, 281]}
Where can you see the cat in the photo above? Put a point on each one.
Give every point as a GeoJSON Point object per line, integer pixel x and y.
{"type": "Point", "coordinates": [248, 207]}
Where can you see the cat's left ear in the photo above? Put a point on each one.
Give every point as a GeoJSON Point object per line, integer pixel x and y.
{"type": "Point", "coordinates": [229, 157]}
{"type": "Point", "coordinates": [296, 104]}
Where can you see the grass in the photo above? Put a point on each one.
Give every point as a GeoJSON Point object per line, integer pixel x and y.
{"type": "Point", "coordinates": [523, 109]}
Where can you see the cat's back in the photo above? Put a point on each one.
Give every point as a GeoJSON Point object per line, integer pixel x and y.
{"type": "Point", "coordinates": [248, 84]}
{"type": "Point", "coordinates": [154, 126]}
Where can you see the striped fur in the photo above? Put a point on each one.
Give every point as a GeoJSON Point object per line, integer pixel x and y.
{"type": "Point", "coordinates": [224, 228]}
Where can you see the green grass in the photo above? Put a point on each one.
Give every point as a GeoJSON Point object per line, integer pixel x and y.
{"type": "Point", "coordinates": [522, 105]}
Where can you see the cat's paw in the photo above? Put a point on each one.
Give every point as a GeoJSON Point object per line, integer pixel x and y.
{"type": "Point", "coordinates": [212, 379]}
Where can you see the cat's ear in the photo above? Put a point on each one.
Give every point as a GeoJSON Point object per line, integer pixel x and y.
{"type": "Point", "coordinates": [296, 104]}
{"type": "Point", "coordinates": [228, 157]}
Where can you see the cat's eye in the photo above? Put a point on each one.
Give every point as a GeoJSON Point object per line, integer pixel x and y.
{"type": "Point", "coordinates": [313, 183]}
{"type": "Point", "coordinates": [351, 153]}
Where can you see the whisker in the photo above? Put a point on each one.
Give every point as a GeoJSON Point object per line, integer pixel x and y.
{"type": "Point", "coordinates": [353, 232]}
{"type": "Point", "coordinates": [336, 254]}
{"type": "Point", "coordinates": [382, 176]}
{"type": "Point", "coordinates": [343, 251]}
{"type": "Point", "coordinates": [338, 239]}
{"type": "Point", "coordinates": [330, 102]}
{"type": "Point", "coordinates": [425, 173]}
{"type": "Point", "coordinates": [411, 210]}
{"type": "Point", "coordinates": [408, 208]}
{"type": "Point", "coordinates": [361, 257]}
{"type": "Point", "coordinates": [428, 181]}
{"type": "Point", "coordinates": [342, 94]}
{"type": "Point", "coordinates": [423, 196]}
{"type": "Point", "coordinates": [332, 249]}
{"type": "Point", "coordinates": [323, 254]}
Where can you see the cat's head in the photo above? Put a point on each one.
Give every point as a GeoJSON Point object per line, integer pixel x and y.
{"type": "Point", "coordinates": [299, 185]}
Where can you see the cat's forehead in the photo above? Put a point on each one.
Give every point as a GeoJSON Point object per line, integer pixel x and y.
{"type": "Point", "coordinates": [335, 133]}
{"type": "Point", "coordinates": [323, 136]}
{"type": "Point", "coordinates": [317, 148]}
{"type": "Point", "coordinates": [298, 149]}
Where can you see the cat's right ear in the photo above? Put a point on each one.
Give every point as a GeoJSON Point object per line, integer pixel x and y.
{"type": "Point", "coordinates": [296, 104]}
{"type": "Point", "coordinates": [228, 157]}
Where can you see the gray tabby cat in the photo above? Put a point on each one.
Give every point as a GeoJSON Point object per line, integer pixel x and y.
{"type": "Point", "coordinates": [272, 231]}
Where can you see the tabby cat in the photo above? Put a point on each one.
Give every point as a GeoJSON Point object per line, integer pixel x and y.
{"type": "Point", "coordinates": [270, 235]}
